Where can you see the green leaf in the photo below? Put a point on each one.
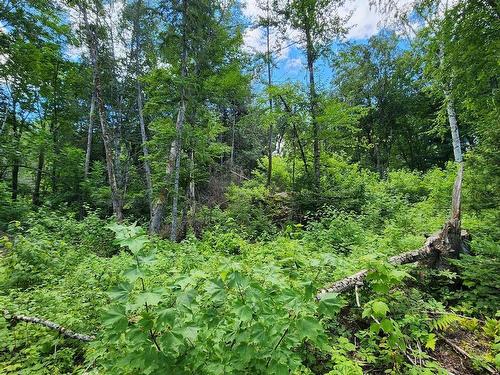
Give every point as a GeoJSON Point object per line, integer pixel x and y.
{"type": "Point", "coordinates": [331, 304]}
{"type": "Point", "coordinates": [166, 317]}
{"type": "Point", "coordinates": [171, 342]}
{"type": "Point", "coordinates": [381, 288]}
{"type": "Point", "coordinates": [120, 292]}
{"type": "Point", "coordinates": [135, 244]}
{"type": "Point", "coordinates": [149, 298]}
{"type": "Point", "coordinates": [115, 317]}
{"type": "Point", "coordinates": [189, 333]}
{"type": "Point", "coordinates": [215, 289]}
{"type": "Point", "coordinates": [431, 341]}
{"type": "Point", "coordinates": [308, 327]}
{"type": "Point", "coordinates": [379, 309]}
{"type": "Point", "coordinates": [244, 313]}
{"type": "Point", "coordinates": [375, 328]}
{"type": "Point", "coordinates": [386, 325]}
{"type": "Point", "coordinates": [147, 259]}
{"type": "Point", "coordinates": [132, 274]}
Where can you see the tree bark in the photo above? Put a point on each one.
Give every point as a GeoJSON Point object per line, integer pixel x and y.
{"type": "Point", "coordinates": [233, 131]}
{"type": "Point", "coordinates": [296, 135]}
{"type": "Point", "coordinates": [174, 161]}
{"type": "Point", "coordinates": [177, 147]}
{"type": "Point", "coordinates": [145, 150]}
{"type": "Point", "coordinates": [15, 162]}
{"type": "Point", "coordinates": [14, 318]}
{"type": "Point", "coordinates": [116, 197]}
{"type": "Point", "coordinates": [38, 179]}
{"type": "Point", "coordinates": [450, 109]}
{"type": "Point", "coordinates": [89, 137]}
{"type": "Point", "coordinates": [452, 119]}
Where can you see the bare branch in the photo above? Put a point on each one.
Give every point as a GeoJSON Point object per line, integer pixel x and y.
{"type": "Point", "coordinates": [47, 323]}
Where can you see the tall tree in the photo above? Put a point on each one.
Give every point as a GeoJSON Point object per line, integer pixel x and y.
{"type": "Point", "coordinates": [318, 23]}
{"type": "Point", "coordinates": [429, 16]}
{"type": "Point", "coordinates": [92, 45]}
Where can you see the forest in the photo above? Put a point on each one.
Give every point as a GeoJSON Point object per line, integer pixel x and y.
{"type": "Point", "coordinates": [250, 187]}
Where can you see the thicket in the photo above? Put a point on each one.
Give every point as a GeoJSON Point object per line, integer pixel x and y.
{"type": "Point", "coordinates": [127, 122]}
{"type": "Point", "coordinates": [231, 302]}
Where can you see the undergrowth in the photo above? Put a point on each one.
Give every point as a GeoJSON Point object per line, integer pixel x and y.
{"type": "Point", "coordinates": [240, 298]}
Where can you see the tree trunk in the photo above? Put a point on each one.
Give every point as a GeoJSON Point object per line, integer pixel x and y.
{"type": "Point", "coordinates": [192, 185]}
{"type": "Point", "coordinates": [15, 178]}
{"type": "Point", "coordinates": [116, 197]}
{"type": "Point", "coordinates": [233, 131]}
{"type": "Point", "coordinates": [177, 153]}
{"type": "Point", "coordinates": [450, 109]}
{"type": "Point", "coordinates": [296, 135]}
{"type": "Point", "coordinates": [269, 82]}
{"type": "Point", "coordinates": [89, 137]}
{"type": "Point", "coordinates": [145, 150]}
{"type": "Point", "coordinates": [4, 120]}
{"type": "Point", "coordinates": [455, 135]}
{"type": "Point", "coordinates": [174, 162]}
{"type": "Point", "coordinates": [312, 108]}
{"type": "Point", "coordinates": [15, 161]}
{"type": "Point", "coordinates": [142, 124]}
{"type": "Point", "coordinates": [180, 122]}
{"type": "Point", "coordinates": [38, 179]}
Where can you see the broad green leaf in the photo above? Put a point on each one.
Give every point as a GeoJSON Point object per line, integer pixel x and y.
{"type": "Point", "coordinates": [244, 313]}
{"type": "Point", "coordinates": [120, 292]}
{"type": "Point", "coordinates": [386, 325]}
{"type": "Point", "coordinates": [115, 317]}
{"type": "Point", "coordinates": [149, 298]}
{"type": "Point", "coordinates": [216, 291]}
{"type": "Point", "coordinates": [190, 333]}
{"type": "Point", "coordinates": [308, 327]}
{"type": "Point", "coordinates": [133, 273]}
{"type": "Point", "coordinates": [331, 304]}
{"type": "Point", "coordinates": [147, 259]}
{"type": "Point", "coordinates": [379, 309]}
{"type": "Point", "coordinates": [166, 317]}
{"type": "Point", "coordinates": [375, 328]}
{"type": "Point", "coordinates": [135, 244]}
{"type": "Point", "coordinates": [171, 342]}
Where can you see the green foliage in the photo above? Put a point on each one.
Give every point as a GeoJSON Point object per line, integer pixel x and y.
{"type": "Point", "coordinates": [208, 322]}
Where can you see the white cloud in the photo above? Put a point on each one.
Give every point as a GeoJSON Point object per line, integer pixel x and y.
{"type": "Point", "coordinates": [364, 21]}
{"type": "Point", "coordinates": [294, 64]}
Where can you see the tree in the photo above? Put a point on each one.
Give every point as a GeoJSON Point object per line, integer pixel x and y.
{"type": "Point", "coordinates": [318, 23]}
{"type": "Point", "coordinates": [92, 45]}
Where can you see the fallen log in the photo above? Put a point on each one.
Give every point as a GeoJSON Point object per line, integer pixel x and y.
{"type": "Point", "coordinates": [14, 318]}
{"type": "Point", "coordinates": [447, 242]}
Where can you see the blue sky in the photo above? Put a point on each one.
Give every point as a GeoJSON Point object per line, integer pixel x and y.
{"type": "Point", "coordinates": [290, 62]}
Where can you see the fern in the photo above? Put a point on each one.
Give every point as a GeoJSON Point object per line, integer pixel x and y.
{"type": "Point", "coordinates": [444, 322]}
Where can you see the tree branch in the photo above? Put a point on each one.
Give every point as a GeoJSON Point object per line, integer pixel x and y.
{"type": "Point", "coordinates": [14, 318]}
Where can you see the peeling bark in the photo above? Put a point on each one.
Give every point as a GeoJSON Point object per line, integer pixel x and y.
{"type": "Point", "coordinates": [89, 137]}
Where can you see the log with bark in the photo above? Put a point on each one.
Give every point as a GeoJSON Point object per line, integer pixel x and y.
{"type": "Point", "coordinates": [14, 318]}
{"type": "Point", "coordinates": [449, 242]}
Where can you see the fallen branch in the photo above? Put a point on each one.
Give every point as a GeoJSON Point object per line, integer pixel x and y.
{"type": "Point", "coordinates": [428, 250]}
{"type": "Point", "coordinates": [448, 241]}
{"type": "Point", "coordinates": [459, 350]}
{"type": "Point", "coordinates": [14, 318]}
